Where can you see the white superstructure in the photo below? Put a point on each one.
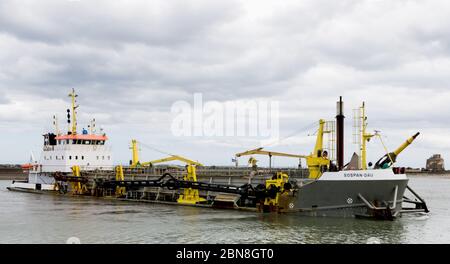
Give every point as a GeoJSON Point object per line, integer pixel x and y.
{"type": "Point", "coordinates": [60, 152]}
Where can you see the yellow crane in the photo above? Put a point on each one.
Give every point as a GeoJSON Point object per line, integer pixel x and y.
{"type": "Point", "coordinates": [171, 158]}
{"type": "Point", "coordinates": [316, 161]}
{"type": "Point", "coordinates": [390, 158]}
{"type": "Point", "coordinates": [260, 151]}
{"type": "Point", "coordinates": [136, 163]}
{"type": "Point", "coordinates": [189, 196]}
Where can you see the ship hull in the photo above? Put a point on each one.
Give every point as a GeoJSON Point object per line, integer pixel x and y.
{"type": "Point", "coordinates": [343, 198]}
{"type": "Point", "coordinates": [376, 194]}
{"type": "Point", "coordinates": [25, 186]}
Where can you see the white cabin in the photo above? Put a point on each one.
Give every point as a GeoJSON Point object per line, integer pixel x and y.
{"type": "Point", "coordinates": [62, 152]}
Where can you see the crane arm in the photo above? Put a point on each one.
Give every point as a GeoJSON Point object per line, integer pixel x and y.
{"type": "Point", "coordinates": [172, 158]}
{"type": "Point", "coordinates": [406, 144]}
{"type": "Point", "coordinates": [390, 158]}
{"type": "Point", "coordinates": [260, 151]}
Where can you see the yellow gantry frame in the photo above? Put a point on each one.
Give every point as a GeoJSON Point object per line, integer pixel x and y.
{"type": "Point", "coordinates": [120, 191]}
{"type": "Point", "coordinates": [135, 153]}
{"type": "Point", "coordinates": [77, 187]}
{"type": "Point", "coordinates": [189, 196]}
{"type": "Point", "coordinates": [315, 161]}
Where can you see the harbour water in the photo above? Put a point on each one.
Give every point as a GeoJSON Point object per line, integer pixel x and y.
{"type": "Point", "coordinates": [33, 218]}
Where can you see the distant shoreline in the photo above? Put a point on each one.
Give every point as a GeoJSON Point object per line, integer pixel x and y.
{"type": "Point", "coordinates": [12, 173]}
{"type": "Point", "coordinates": [427, 174]}
{"type": "Point", "coordinates": [12, 177]}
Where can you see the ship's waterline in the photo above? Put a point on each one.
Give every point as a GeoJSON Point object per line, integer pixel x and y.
{"type": "Point", "coordinates": [62, 218]}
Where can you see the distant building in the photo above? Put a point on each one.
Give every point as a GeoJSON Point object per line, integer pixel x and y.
{"type": "Point", "coordinates": [435, 163]}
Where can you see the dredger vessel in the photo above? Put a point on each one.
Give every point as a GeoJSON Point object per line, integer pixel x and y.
{"type": "Point", "coordinates": [82, 164]}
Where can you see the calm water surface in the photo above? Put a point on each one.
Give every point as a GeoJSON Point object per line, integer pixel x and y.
{"type": "Point", "coordinates": [32, 218]}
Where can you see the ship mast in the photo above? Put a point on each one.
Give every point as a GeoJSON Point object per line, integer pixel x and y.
{"type": "Point", "coordinates": [73, 95]}
{"type": "Point", "coordinates": [365, 137]}
{"type": "Point", "coordinates": [55, 123]}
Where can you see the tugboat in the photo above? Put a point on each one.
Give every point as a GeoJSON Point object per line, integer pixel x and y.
{"type": "Point", "coordinates": [61, 152]}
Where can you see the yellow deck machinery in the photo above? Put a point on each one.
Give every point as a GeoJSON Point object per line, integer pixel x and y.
{"type": "Point", "coordinates": [189, 196]}
{"type": "Point", "coordinates": [317, 162]}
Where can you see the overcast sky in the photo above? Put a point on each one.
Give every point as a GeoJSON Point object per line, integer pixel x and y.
{"type": "Point", "coordinates": [130, 61]}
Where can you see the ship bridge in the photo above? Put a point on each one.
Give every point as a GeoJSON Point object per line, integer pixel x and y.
{"type": "Point", "coordinates": [86, 139]}
{"type": "Point", "coordinates": [63, 151]}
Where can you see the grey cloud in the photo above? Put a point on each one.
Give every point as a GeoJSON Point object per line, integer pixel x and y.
{"type": "Point", "coordinates": [130, 61]}
{"type": "Point", "coordinates": [156, 23]}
